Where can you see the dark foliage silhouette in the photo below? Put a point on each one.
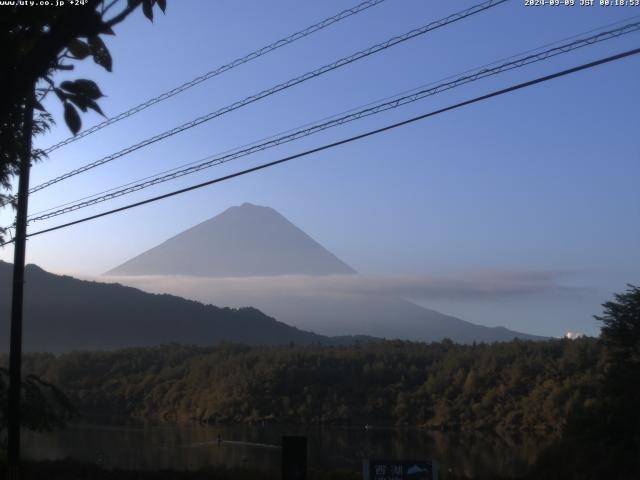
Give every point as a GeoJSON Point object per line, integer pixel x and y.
{"type": "Point", "coordinates": [39, 41]}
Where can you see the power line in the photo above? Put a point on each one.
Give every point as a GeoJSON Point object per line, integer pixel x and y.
{"type": "Point", "coordinates": [353, 109]}
{"type": "Point", "coordinates": [220, 70]}
{"type": "Point", "coordinates": [222, 158]}
{"type": "Point", "coordinates": [282, 86]}
{"type": "Point", "coordinates": [413, 90]}
{"type": "Point", "coordinates": [495, 93]}
{"type": "Point", "coordinates": [321, 126]}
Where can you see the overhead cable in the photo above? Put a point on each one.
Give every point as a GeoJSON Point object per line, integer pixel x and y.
{"type": "Point", "coordinates": [219, 159]}
{"type": "Point", "coordinates": [278, 88]}
{"type": "Point", "coordinates": [222, 69]}
{"type": "Point", "coordinates": [496, 93]}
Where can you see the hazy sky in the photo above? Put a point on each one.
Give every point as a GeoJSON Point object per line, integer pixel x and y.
{"type": "Point", "coordinates": [542, 181]}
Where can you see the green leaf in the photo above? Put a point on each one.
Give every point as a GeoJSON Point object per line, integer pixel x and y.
{"type": "Point", "coordinates": [68, 86]}
{"type": "Point", "coordinates": [61, 95]}
{"type": "Point", "coordinates": [147, 9]}
{"type": "Point", "coordinates": [89, 88]}
{"type": "Point", "coordinates": [72, 118]}
{"type": "Point", "coordinates": [79, 49]}
{"type": "Point", "coordinates": [80, 102]}
{"type": "Point", "coordinates": [83, 87]}
{"type": "Point", "coordinates": [85, 103]}
{"type": "Point", "coordinates": [93, 105]}
{"type": "Point", "coordinates": [162, 4]}
{"type": "Point", "coordinates": [100, 53]}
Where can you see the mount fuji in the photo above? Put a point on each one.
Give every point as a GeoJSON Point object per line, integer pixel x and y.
{"type": "Point", "coordinates": [251, 255]}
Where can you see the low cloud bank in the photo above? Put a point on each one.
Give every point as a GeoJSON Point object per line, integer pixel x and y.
{"type": "Point", "coordinates": [471, 286]}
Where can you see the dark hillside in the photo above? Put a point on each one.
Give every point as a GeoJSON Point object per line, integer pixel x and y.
{"type": "Point", "coordinates": [63, 313]}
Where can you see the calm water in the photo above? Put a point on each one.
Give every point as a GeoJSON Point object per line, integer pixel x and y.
{"type": "Point", "coordinates": [193, 447]}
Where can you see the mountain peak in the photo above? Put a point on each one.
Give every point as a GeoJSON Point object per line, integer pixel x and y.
{"type": "Point", "coordinates": [248, 209]}
{"type": "Point", "coordinates": [244, 240]}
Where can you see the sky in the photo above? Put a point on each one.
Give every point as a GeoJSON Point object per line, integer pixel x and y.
{"type": "Point", "coordinates": [541, 182]}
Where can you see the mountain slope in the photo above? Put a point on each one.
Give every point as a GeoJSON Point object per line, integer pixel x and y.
{"type": "Point", "coordinates": [328, 312]}
{"type": "Point", "coordinates": [242, 241]}
{"type": "Point", "coordinates": [63, 313]}
{"type": "Point", "coordinates": [383, 317]}
{"type": "Point", "coordinates": [251, 242]}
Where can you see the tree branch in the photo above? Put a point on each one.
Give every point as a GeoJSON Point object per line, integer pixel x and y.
{"type": "Point", "coordinates": [105, 9]}
{"type": "Point", "coordinates": [124, 14]}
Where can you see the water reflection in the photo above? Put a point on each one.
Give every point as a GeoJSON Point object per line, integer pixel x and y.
{"type": "Point", "coordinates": [149, 447]}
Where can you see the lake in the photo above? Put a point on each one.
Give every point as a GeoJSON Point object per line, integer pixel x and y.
{"type": "Point", "coordinates": [150, 447]}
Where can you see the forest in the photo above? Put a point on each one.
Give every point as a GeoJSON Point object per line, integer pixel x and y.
{"type": "Point", "coordinates": [584, 384]}
{"type": "Point", "coordinates": [516, 385]}
{"type": "Point", "coordinates": [580, 392]}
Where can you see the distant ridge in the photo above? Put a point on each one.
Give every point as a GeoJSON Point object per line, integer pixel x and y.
{"type": "Point", "coordinates": [254, 241]}
{"type": "Point", "coordinates": [63, 314]}
{"type": "Point", "coordinates": [247, 240]}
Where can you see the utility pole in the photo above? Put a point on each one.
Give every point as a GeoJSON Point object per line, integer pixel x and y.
{"type": "Point", "coordinates": [15, 347]}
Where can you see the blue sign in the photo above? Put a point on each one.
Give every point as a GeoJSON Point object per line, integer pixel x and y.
{"type": "Point", "coordinates": [399, 470]}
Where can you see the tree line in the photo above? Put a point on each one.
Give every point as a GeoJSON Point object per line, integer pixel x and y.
{"type": "Point", "coordinates": [553, 385]}
{"type": "Point", "coordinates": [583, 390]}
{"type": "Point", "coordinates": [515, 385]}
